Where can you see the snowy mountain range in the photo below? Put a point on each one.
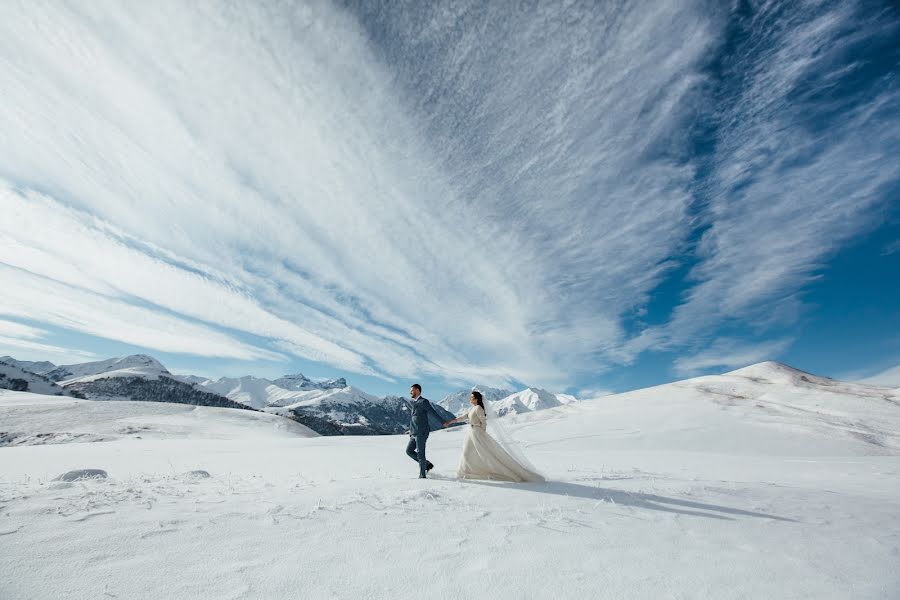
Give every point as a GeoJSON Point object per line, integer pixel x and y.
{"type": "Point", "coordinates": [507, 402]}
{"type": "Point", "coordinates": [14, 377]}
{"type": "Point", "coordinates": [530, 399]}
{"type": "Point", "coordinates": [458, 402]}
{"type": "Point", "coordinates": [300, 383]}
{"type": "Point", "coordinates": [329, 407]}
{"type": "Point", "coordinates": [38, 367]}
{"type": "Point", "coordinates": [348, 411]}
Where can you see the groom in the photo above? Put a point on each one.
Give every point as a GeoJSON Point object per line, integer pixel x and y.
{"type": "Point", "coordinates": [419, 428]}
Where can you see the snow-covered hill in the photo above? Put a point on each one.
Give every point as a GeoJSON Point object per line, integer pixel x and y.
{"type": "Point", "coordinates": [138, 377]}
{"type": "Point", "coordinates": [33, 419]}
{"type": "Point", "coordinates": [148, 389]}
{"type": "Point", "coordinates": [38, 367]}
{"type": "Point", "coordinates": [764, 409]}
{"type": "Point", "coordinates": [761, 483]}
{"type": "Point", "coordinates": [137, 365]}
{"type": "Point", "coordinates": [15, 378]}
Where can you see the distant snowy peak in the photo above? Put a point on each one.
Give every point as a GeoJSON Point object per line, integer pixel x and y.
{"type": "Point", "coordinates": [510, 405]}
{"type": "Point", "coordinates": [13, 377]}
{"type": "Point", "coordinates": [772, 370]}
{"type": "Point", "coordinates": [191, 379]}
{"type": "Point", "coordinates": [39, 368]}
{"type": "Point", "coordinates": [529, 400]}
{"type": "Point", "coordinates": [566, 398]}
{"type": "Point", "coordinates": [776, 372]}
{"type": "Point", "coordinates": [506, 402]}
{"type": "Point", "coordinates": [458, 402]}
{"type": "Point", "coordinates": [347, 396]}
{"type": "Point", "coordinates": [538, 399]}
{"type": "Point", "coordinates": [258, 392]}
{"type": "Point", "coordinates": [136, 365]}
{"type": "Point", "coordinates": [251, 391]}
{"type": "Point", "coordinates": [300, 382]}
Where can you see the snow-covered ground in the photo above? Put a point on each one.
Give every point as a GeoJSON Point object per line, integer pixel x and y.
{"type": "Point", "coordinates": [33, 419]}
{"type": "Point", "coordinates": [756, 484]}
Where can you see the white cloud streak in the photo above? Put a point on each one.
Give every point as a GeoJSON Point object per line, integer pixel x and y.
{"type": "Point", "coordinates": [20, 330]}
{"type": "Point", "coordinates": [476, 192]}
{"type": "Point", "coordinates": [891, 248]}
{"type": "Point", "coordinates": [786, 193]}
{"type": "Point", "coordinates": [23, 341]}
{"type": "Point", "coordinates": [29, 296]}
{"type": "Point", "coordinates": [268, 148]}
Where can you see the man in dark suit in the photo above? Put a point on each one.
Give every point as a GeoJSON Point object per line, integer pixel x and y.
{"type": "Point", "coordinates": [419, 428]}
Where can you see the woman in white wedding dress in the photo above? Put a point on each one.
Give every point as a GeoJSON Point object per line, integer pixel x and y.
{"type": "Point", "coordinates": [482, 456]}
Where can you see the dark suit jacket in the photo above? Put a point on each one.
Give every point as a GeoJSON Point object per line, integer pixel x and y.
{"type": "Point", "coordinates": [418, 419]}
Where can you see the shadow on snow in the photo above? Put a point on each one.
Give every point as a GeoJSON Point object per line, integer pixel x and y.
{"type": "Point", "coordinates": [635, 499]}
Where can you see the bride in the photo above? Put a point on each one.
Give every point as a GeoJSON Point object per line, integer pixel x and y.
{"type": "Point", "coordinates": [482, 456]}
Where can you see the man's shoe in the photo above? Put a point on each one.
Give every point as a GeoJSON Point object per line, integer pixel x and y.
{"type": "Point", "coordinates": [429, 466]}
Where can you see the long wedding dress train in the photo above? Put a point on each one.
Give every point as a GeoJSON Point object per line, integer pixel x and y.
{"type": "Point", "coordinates": [484, 458]}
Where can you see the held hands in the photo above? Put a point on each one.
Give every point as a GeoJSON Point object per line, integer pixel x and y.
{"type": "Point", "coordinates": [447, 423]}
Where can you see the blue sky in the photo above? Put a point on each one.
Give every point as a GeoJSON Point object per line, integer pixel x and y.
{"type": "Point", "coordinates": [584, 196]}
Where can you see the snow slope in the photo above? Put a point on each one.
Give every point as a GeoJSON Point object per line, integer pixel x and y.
{"type": "Point", "coordinates": [36, 419]}
{"type": "Point", "coordinates": [753, 484]}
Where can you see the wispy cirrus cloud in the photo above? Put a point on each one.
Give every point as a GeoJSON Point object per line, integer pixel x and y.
{"type": "Point", "coordinates": [470, 190]}
{"type": "Point", "coordinates": [285, 185]}
{"type": "Point", "coordinates": [25, 343]}
{"type": "Point", "coordinates": [802, 166]}
{"type": "Point", "coordinates": [29, 296]}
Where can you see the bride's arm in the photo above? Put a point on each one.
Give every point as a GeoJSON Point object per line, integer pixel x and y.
{"type": "Point", "coordinates": [458, 419]}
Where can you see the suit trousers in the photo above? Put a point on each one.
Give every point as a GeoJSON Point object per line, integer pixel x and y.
{"type": "Point", "coordinates": [415, 449]}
